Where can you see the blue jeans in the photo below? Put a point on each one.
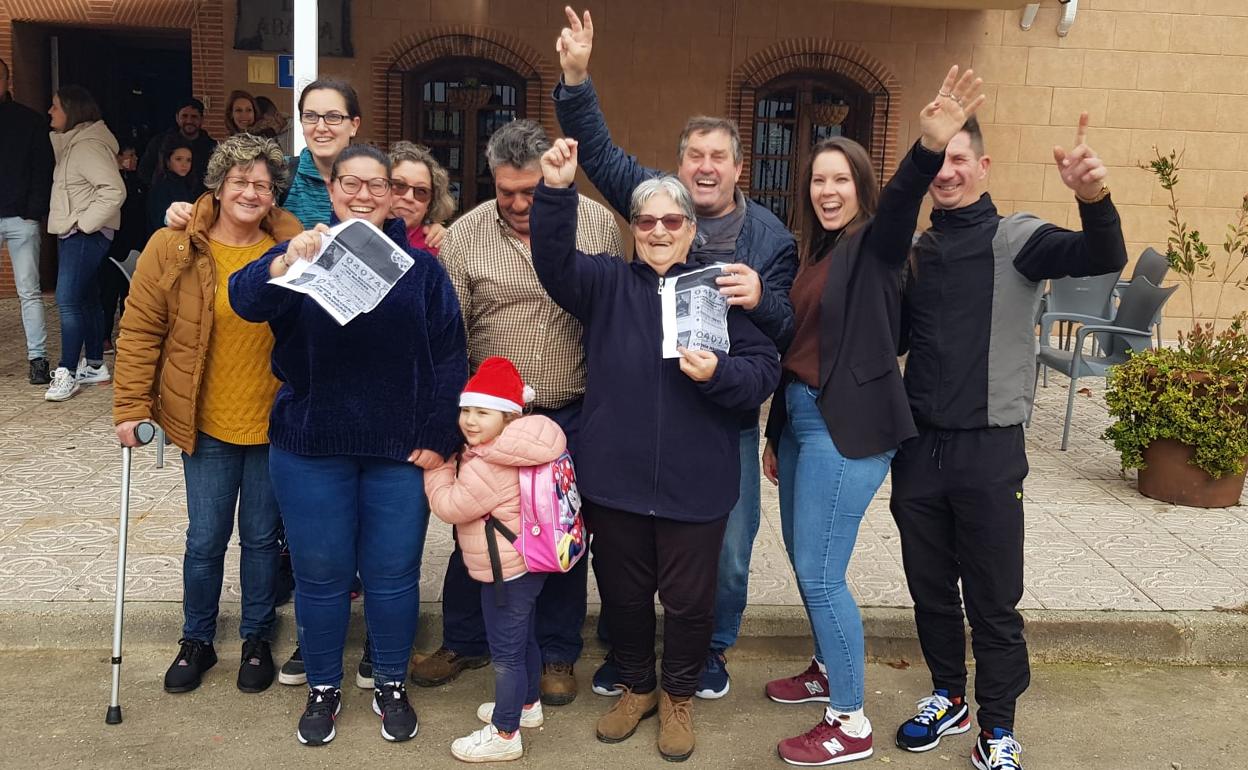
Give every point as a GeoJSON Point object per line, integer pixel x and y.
{"type": "Point", "coordinates": [823, 496]}
{"type": "Point", "coordinates": [734, 558]}
{"type": "Point", "coordinates": [218, 476]}
{"type": "Point", "coordinates": [22, 237]}
{"type": "Point", "coordinates": [346, 514]}
{"type": "Point", "coordinates": [78, 297]}
{"type": "Point", "coordinates": [512, 631]}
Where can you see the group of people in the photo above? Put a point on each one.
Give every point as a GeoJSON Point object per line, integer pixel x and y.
{"type": "Point", "coordinates": [346, 437]}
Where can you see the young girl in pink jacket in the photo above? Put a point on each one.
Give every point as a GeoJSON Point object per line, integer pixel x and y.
{"type": "Point", "coordinates": [500, 442]}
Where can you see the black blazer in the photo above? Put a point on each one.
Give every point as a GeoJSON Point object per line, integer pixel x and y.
{"type": "Point", "coordinates": [862, 396]}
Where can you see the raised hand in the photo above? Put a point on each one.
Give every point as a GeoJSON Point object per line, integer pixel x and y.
{"type": "Point", "coordinates": [574, 45]}
{"type": "Point", "coordinates": [305, 245]}
{"type": "Point", "coordinates": [1081, 170]}
{"type": "Point", "coordinates": [957, 100]}
{"type": "Point", "coordinates": [559, 163]}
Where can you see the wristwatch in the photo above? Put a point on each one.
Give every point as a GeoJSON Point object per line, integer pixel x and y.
{"type": "Point", "coordinates": [1100, 196]}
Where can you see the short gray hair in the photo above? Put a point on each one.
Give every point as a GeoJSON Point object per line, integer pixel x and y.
{"type": "Point", "coordinates": [244, 150]}
{"type": "Point", "coordinates": [662, 185]}
{"type": "Point", "coordinates": [519, 144]}
{"type": "Point", "coordinates": [702, 124]}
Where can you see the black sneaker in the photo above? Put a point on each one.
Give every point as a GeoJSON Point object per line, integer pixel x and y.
{"type": "Point", "coordinates": [39, 372]}
{"type": "Point", "coordinates": [292, 672]}
{"type": "Point", "coordinates": [316, 726]}
{"type": "Point", "coordinates": [255, 673]}
{"type": "Point", "coordinates": [938, 715]}
{"type": "Point", "coordinates": [1000, 752]}
{"type": "Point", "coordinates": [187, 670]}
{"type": "Point", "coordinates": [398, 719]}
{"type": "Point", "coordinates": [364, 672]}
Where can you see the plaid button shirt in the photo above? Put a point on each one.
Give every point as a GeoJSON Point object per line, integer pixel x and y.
{"type": "Point", "coordinates": [507, 312]}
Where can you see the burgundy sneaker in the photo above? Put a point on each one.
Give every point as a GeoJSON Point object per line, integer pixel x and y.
{"type": "Point", "coordinates": [824, 744]}
{"type": "Point", "coordinates": [807, 687]}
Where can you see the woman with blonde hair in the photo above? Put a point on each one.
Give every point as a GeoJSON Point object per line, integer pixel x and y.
{"type": "Point", "coordinates": [422, 195]}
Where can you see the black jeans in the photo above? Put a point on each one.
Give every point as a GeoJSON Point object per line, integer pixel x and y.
{"type": "Point", "coordinates": [560, 606]}
{"type": "Point", "coordinates": [958, 502]}
{"type": "Point", "coordinates": [636, 555]}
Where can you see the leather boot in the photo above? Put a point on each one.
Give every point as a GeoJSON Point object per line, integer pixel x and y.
{"type": "Point", "coordinates": [621, 721]}
{"type": "Point", "coordinates": [675, 727]}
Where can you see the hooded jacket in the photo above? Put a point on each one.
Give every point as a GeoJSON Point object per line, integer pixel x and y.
{"type": "Point", "coordinates": [489, 485]}
{"type": "Point", "coordinates": [87, 191]}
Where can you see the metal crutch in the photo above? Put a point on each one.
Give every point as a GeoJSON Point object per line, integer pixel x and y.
{"type": "Point", "coordinates": [144, 432]}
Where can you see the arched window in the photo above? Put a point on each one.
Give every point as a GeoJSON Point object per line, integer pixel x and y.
{"type": "Point", "coordinates": [456, 104]}
{"type": "Point", "coordinates": [791, 114]}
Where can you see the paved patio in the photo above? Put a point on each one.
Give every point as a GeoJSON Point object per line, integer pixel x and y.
{"type": "Point", "coordinates": [1093, 543]}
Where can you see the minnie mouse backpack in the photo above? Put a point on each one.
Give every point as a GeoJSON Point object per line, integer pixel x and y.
{"type": "Point", "coordinates": [552, 534]}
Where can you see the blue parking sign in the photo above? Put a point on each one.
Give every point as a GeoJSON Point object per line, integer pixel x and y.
{"type": "Point", "coordinates": [285, 71]}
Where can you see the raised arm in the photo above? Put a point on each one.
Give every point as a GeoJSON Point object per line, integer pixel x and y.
{"type": "Point", "coordinates": [614, 172]}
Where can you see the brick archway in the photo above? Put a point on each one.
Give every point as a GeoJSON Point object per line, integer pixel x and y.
{"type": "Point", "coordinates": [204, 18]}
{"type": "Point", "coordinates": [466, 41]}
{"type": "Point", "coordinates": [824, 56]}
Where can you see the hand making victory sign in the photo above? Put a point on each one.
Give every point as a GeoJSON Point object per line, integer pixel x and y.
{"type": "Point", "coordinates": [574, 45]}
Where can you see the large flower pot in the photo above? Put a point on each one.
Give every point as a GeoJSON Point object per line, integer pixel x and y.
{"type": "Point", "coordinates": [1169, 477]}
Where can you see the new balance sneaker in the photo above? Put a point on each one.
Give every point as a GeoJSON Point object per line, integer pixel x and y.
{"type": "Point", "coordinates": [1000, 752]}
{"type": "Point", "coordinates": [316, 726]}
{"type": "Point", "coordinates": [364, 671]}
{"type": "Point", "coordinates": [825, 744]}
{"type": "Point", "coordinates": [187, 670]}
{"type": "Point", "coordinates": [937, 715]}
{"type": "Point", "coordinates": [486, 745]}
{"type": "Point", "coordinates": [607, 677]}
{"type": "Point", "coordinates": [64, 386]}
{"type": "Point", "coordinates": [530, 716]}
{"type": "Point", "coordinates": [714, 680]}
{"type": "Point", "coordinates": [39, 374]}
{"type": "Point", "coordinates": [92, 373]}
{"type": "Point", "coordinates": [398, 719]}
{"type": "Point", "coordinates": [292, 672]}
{"type": "Point", "coordinates": [810, 686]}
{"type": "Point", "coordinates": [255, 673]}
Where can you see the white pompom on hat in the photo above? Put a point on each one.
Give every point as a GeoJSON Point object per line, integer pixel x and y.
{"type": "Point", "coordinates": [497, 385]}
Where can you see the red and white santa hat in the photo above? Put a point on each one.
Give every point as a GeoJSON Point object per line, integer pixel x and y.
{"type": "Point", "coordinates": [496, 385]}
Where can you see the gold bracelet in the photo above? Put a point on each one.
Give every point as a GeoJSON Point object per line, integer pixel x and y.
{"type": "Point", "coordinates": [1100, 196]}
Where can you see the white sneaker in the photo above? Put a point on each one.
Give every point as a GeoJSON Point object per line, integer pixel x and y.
{"type": "Point", "coordinates": [486, 745]}
{"type": "Point", "coordinates": [89, 374]}
{"type": "Point", "coordinates": [64, 386]}
{"type": "Point", "coordinates": [529, 717]}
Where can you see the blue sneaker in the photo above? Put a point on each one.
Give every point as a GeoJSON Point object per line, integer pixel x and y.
{"type": "Point", "coordinates": [1000, 752]}
{"type": "Point", "coordinates": [607, 677]}
{"type": "Point", "coordinates": [938, 715]}
{"type": "Point", "coordinates": [714, 680]}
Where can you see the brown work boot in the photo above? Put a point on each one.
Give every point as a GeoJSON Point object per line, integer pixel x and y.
{"type": "Point", "coordinates": [444, 666]}
{"type": "Point", "coordinates": [621, 721]}
{"type": "Point", "coordinates": [675, 727]}
{"type": "Point", "coordinates": [558, 684]}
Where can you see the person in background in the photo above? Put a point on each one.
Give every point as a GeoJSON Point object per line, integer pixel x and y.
{"type": "Point", "coordinates": [174, 181]}
{"type": "Point", "coordinates": [186, 361]}
{"type": "Point", "coordinates": [190, 119]}
{"type": "Point", "coordinates": [241, 112]}
{"type": "Point", "coordinates": [422, 197]}
{"type": "Point", "coordinates": [25, 185]}
{"type": "Point", "coordinates": [87, 195]}
{"type": "Point", "coordinates": [272, 123]}
{"type": "Point", "coordinates": [132, 236]}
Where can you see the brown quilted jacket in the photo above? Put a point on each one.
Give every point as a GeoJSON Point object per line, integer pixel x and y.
{"type": "Point", "coordinates": [168, 321]}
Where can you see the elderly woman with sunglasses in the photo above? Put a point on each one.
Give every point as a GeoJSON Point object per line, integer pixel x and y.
{"type": "Point", "coordinates": [187, 362]}
{"type": "Point", "coordinates": [660, 437]}
{"type": "Point", "coordinates": [363, 408]}
{"type": "Point", "coordinates": [422, 195]}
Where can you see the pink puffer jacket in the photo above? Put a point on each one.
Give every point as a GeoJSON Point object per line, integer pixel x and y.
{"type": "Point", "coordinates": [489, 483]}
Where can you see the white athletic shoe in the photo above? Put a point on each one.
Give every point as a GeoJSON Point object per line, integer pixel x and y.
{"type": "Point", "coordinates": [486, 745]}
{"type": "Point", "coordinates": [90, 374]}
{"type": "Point", "coordinates": [64, 386]}
{"type": "Point", "coordinates": [529, 717]}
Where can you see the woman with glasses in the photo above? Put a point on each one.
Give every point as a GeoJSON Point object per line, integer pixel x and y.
{"type": "Point", "coordinates": [422, 197]}
{"type": "Point", "coordinates": [660, 441]}
{"type": "Point", "coordinates": [363, 408]}
{"type": "Point", "coordinates": [186, 361]}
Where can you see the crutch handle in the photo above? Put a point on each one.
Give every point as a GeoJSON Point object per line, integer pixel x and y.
{"type": "Point", "coordinates": [144, 432]}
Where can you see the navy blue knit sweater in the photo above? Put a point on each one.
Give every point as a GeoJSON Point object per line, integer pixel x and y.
{"type": "Point", "coordinates": [383, 385]}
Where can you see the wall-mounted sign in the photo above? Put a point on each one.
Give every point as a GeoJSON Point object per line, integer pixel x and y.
{"type": "Point", "coordinates": [285, 71]}
{"type": "Point", "coordinates": [268, 25]}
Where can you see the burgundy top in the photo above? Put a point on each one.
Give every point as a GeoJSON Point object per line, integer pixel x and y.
{"type": "Point", "coordinates": [416, 239]}
{"type": "Point", "coordinates": [801, 360]}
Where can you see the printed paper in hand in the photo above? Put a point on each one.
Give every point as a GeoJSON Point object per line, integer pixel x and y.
{"type": "Point", "coordinates": [695, 314]}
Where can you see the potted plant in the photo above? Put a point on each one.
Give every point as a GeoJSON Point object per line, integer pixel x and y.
{"type": "Point", "coordinates": [1181, 413]}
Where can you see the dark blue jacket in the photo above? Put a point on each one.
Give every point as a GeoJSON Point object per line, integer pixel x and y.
{"type": "Point", "coordinates": [765, 244]}
{"type": "Point", "coordinates": [386, 383]}
{"type": "Point", "coordinates": [652, 440]}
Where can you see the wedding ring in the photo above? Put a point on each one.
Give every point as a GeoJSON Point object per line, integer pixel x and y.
{"type": "Point", "coordinates": [945, 94]}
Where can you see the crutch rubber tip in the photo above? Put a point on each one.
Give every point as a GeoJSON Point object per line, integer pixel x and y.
{"type": "Point", "coordinates": [113, 717]}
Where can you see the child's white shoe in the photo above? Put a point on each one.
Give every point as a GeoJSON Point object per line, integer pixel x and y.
{"type": "Point", "coordinates": [529, 717]}
{"type": "Point", "coordinates": [486, 745]}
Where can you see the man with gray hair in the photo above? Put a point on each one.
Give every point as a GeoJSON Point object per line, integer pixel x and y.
{"type": "Point", "coordinates": [507, 313]}
{"type": "Point", "coordinates": [25, 188]}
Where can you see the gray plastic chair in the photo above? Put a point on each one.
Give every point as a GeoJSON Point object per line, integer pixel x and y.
{"type": "Point", "coordinates": [1154, 266]}
{"type": "Point", "coordinates": [127, 267]}
{"type": "Point", "coordinates": [1129, 331]}
{"type": "Point", "coordinates": [1087, 300]}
